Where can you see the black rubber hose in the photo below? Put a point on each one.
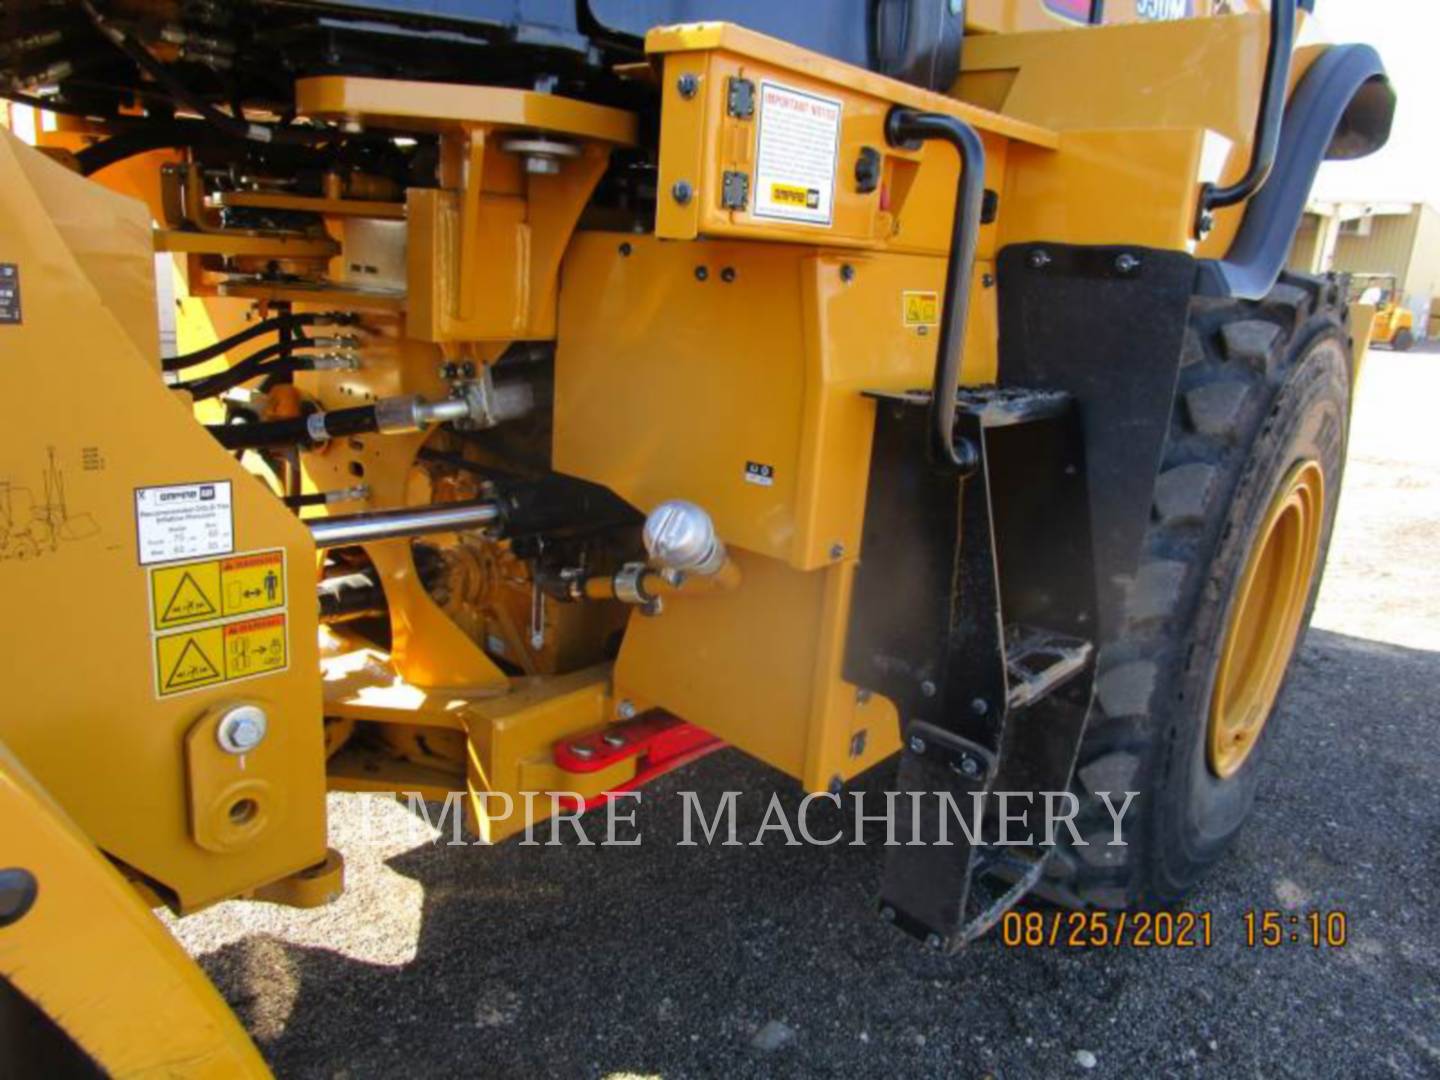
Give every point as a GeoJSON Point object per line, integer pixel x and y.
{"type": "Point", "coordinates": [285, 433]}
{"type": "Point", "coordinates": [252, 367]}
{"type": "Point", "coordinates": [154, 135]}
{"type": "Point", "coordinates": [235, 126]}
{"type": "Point", "coordinates": [250, 333]}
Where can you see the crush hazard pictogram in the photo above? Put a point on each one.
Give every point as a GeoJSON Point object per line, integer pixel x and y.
{"type": "Point", "coordinates": [188, 660]}
{"type": "Point", "coordinates": [185, 594]}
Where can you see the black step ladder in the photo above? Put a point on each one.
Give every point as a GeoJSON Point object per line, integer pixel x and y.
{"type": "Point", "coordinates": [974, 611]}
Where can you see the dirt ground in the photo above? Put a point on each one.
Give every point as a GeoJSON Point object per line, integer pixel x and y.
{"type": "Point", "coordinates": [767, 961]}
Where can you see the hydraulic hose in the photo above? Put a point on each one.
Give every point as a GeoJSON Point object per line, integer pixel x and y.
{"type": "Point", "coordinates": [299, 431]}
{"type": "Point", "coordinates": [250, 333]}
{"type": "Point", "coordinates": [252, 367]}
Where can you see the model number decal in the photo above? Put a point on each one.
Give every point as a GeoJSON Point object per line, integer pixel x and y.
{"type": "Point", "coordinates": [757, 472]}
{"type": "Point", "coordinates": [1163, 10]}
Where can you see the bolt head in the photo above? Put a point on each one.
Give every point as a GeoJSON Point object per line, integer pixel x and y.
{"type": "Point", "coordinates": [837, 551]}
{"type": "Point", "coordinates": [625, 710]}
{"type": "Point", "coordinates": [979, 706]}
{"type": "Point", "coordinates": [1039, 259]}
{"type": "Point", "coordinates": [917, 744]}
{"type": "Point", "coordinates": [862, 695]}
{"type": "Point", "coordinates": [682, 191]}
{"type": "Point", "coordinates": [928, 688]}
{"type": "Point", "coordinates": [537, 641]}
{"type": "Point", "coordinates": [702, 273]}
{"type": "Point", "coordinates": [847, 273]}
{"type": "Point", "coordinates": [887, 913]}
{"type": "Point", "coordinates": [836, 785]}
{"type": "Point", "coordinates": [241, 729]}
{"type": "Point", "coordinates": [687, 84]}
{"type": "Point", "coordinates": [969, 766]}
{"type": "Point", "coordinates": [935, 941]}
{"type": "Point", "coordinates": [1127, 263]}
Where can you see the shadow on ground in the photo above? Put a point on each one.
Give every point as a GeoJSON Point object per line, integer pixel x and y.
{"type": "Point", "coordinates": [567, 961]}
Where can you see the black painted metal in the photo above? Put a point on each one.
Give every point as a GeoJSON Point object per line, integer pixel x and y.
{"type": "Point", "coordinates": [906, 127]}
{"type": "Point", "coordinates": [1107, 326]}
{"type": "Point", "coordinates": [1267, 121]}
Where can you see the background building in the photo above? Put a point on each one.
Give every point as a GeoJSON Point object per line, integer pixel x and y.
{"type": "Point", "coordinates": [1378, 238]}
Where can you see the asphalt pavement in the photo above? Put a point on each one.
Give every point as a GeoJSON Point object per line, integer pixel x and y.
{"type": "Point", "coordinates": [673, 961]}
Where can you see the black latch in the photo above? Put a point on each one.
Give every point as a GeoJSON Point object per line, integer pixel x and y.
{"type": "Point", "coordinates": [741, 98]}
{"type": "Point", "coordinates": [867, 170]}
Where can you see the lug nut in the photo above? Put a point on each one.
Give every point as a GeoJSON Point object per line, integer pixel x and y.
{"type": "Point", "coordinates": [917, 744]}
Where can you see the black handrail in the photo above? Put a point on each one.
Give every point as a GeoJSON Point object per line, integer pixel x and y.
{"type": "Point", "coordinates": [907, 128]}
{"type": "Point", "coordinates": [1267, 121]}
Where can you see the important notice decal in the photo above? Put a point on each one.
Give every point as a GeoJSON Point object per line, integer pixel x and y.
{"type": "Point", "coordinates": [798, 146]}
{"type": "Point", "coordinates": [184, 521]}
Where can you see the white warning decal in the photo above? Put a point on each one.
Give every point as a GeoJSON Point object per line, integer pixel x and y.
{"type": "Point", "coordinates": [183, 521]}
{"type": "Point", "coordinates": [798, 148]}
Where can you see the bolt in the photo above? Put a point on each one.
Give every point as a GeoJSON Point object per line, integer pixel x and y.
{"type": "Point", "coordinates": [979, 706]}
{"type": "Point", "coordinates": [969, 766]}
{"type": "Point", "coordinates": [928, 688]}
{"type": "Point", "coordinates": [837, 551]}
{"type": "Point", "coordinates": [702, 273]}
{"type": "Point", "coordinates": [448, 371]}
{"type": "Point", "coordinates": [625, 710]}
{"type": "Point", "coordinates": [1040, 258]}
{"type": "Point", "coordinates": [625, 249]}
{"type": "Point", "coordinates": [917, 744]}
{"type": "Point", "coordinates": [847, 273]}
{"type": "Point", "coordinates": [583, 752]}
{"type": "Point", "coordinates": [836, 785]}
{"type": "Point", "coordinates": [987, 280]}
{"type": "Point", "coordinates": [862, 696]}
{"type": "Point", "coordinates": [887, 913]}
{"type": "Point", "coordinates": [17, 894]}
{"type": "Point", "coordinates": [687, 84]}
{"type": "Point", "coordinates": [682, 191]}
{"type": "Point", "coordinates": [727, 275]}
{"type": "Point", "coordinates": [857, 744]}
{"type": "Point", "coordinates": [241, 729]}
{"type": "Point", "coordinates": [1127, 263]}
{"type": "Point", "coordinates": [537, 641]}
{"type": "Point", "coordinates": [935, 941]}
{"type": "Point", "coordinates": [615, 740]}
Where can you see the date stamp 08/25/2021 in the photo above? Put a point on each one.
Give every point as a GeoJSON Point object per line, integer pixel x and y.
{"type": "Point", "coordinates": [1266, 929]}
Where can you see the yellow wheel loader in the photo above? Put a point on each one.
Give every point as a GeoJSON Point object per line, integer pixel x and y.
{"type": "Point", "coordinates": [478, 399]}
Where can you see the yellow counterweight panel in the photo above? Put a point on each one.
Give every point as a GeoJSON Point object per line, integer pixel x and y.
{"type": "Point", "coordinates": [98, 963]}
{"type": "Point", "coordinates": [111, 711]}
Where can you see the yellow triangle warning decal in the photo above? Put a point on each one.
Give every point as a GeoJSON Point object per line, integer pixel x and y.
{"type": "Point", "coordinates": [191, 668]}
{"type": "Point", "coordinates": [187, 603]}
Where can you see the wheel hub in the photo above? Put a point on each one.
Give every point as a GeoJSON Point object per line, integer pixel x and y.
{"type": "Point", "coordinates": [1264, 618]}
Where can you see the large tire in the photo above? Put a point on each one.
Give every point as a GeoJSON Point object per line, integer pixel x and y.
{"type": "Point", "coordinates": [1262, 386]}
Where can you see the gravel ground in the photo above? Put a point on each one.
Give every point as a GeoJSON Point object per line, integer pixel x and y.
{"type": "Point", "coordinates": [767, 961]}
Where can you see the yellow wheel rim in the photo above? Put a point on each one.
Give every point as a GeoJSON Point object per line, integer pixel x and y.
{"type": "Point", "coordinates": [1264, 618]}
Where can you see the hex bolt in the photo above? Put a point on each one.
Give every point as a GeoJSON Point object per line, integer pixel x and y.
{"type": "Point", "coordinates": [727, 275]}
{"type": "Point", "coordinates": [969, 766]}
{"type": "Point", "coordinates": [987, 280]}
{"type": "Point", "coordinates": [682, 191]}
{"type": "Point", "coordinates": [857, 744]}
{"type": "Point", "coordinates": [702, 273]}
{"type": "Point", "coordinates": [837, 551]}
{"type": "Point", "coordinates": [979, 706]}
{"type": "Point", "coordinates": [625, 710]}
{"type": "Point", "coordinates": [687, 84]}
{"type": "Point", "coordinates": [928, 688]}
{"type": "Point", "coordinates": [836, 785]}
{"type": "Point", "coordinates": [241, 729]}
{"type": "Point", "coordinates": [1127, 263]}
{"type": "Point", "coordinates": [847, 273]}
{"type": "Point", "coordinates": [1040, 258]}
{"type": "Point", "coordinates": [625, 249]}
{"type": "Point", "coordinates": [887, 913]}
{"type": "Point", "coordinates": [917, 744]}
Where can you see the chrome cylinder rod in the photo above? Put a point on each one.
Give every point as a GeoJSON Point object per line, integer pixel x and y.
{"type": "Point", "coordinates": [331, 532]}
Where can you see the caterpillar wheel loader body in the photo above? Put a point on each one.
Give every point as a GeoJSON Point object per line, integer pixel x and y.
{"type": "Point", "coordinates": [561, 390]}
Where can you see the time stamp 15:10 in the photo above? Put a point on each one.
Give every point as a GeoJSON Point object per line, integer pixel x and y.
{"type": "Point", "coordinates": [1169, 929]}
